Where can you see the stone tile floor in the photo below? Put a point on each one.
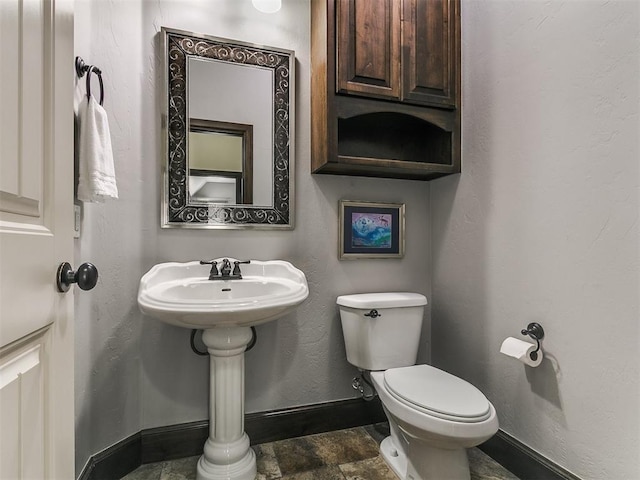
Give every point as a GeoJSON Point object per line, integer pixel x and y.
{"type": "Point", "coordinates": [350, 454]}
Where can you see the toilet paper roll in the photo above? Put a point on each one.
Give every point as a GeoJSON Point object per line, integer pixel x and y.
{"type": "Point", "coordinates": [521, 350]}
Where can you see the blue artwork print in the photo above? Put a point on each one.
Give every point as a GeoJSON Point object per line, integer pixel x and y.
{"type": "Point", "coordinates": [371, 230]}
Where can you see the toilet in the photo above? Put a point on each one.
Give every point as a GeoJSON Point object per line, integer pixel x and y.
{"type": "Point", "coordinates": [433, 416]}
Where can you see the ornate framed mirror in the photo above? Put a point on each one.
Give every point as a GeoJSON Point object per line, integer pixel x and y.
{"type": "Point", "coordinates": [228, 120]}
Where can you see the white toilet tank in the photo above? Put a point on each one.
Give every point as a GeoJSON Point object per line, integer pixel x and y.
{"type": "Point", "coordinates": [381, 330]}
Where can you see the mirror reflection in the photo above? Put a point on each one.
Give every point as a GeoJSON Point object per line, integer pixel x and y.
{"type": "Point", "coordinates": [220, 162]}
{"type": "Point", "coordinates": [240, 95]}
{"type": "Point", "coordinates": [228, 132]}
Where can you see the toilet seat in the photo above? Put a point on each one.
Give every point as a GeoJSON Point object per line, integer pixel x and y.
{"type": "Point", "coordinates": [437, 393]}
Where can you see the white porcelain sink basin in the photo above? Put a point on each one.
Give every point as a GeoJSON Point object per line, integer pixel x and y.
{"type": "Point", "coordinates": [182, 294]}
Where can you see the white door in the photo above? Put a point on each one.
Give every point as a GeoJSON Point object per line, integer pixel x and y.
{"type": "Point", "coordinates": [36, 234]}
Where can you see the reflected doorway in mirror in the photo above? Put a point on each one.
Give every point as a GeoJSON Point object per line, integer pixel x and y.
{"type": "Point", "coordinates": [220, 162]}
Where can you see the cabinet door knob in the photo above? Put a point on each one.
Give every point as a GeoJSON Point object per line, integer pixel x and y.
{"type": "Point", "coordinates": [86, 276]}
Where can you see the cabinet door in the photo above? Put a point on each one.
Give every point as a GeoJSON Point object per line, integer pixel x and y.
{"type": "Point", "coordinates": [429, 52]}
{"type": "Point", "coordinates": [368, 47]}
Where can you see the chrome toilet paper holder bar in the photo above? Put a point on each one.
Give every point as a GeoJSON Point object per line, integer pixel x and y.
{"type": "Point", "coordinates": [536, 332]}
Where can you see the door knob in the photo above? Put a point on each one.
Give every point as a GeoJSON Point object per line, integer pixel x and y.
{"type": "Point", "coordinates": [86, 276]}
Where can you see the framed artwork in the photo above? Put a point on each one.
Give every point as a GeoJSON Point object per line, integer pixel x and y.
{"type": "Point", "coordinates": [371, 230]}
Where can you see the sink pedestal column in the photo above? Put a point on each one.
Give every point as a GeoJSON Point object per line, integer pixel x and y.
{"type": "Point", "coordinates": [227, 454]}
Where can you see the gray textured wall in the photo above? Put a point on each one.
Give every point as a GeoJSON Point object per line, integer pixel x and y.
{"type": "Point", "coordinates": [543, 226]}
{"type": "Point", "coordinates": [133, 372]}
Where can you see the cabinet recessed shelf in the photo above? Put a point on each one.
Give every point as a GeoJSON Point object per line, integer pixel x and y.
{"type": "Point", "coordinates": [393, 136]}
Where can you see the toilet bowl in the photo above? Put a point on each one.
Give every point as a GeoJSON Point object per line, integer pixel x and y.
{"type": "Point", "coordinates": [433, 415]}
{"type": "Point", "coordinates": [432, 431]}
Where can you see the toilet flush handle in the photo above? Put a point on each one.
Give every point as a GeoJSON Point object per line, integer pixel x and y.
{"type": "Point", "coordinates": [373, 314]}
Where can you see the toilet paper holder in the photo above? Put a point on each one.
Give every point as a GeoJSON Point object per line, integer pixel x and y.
{"type": "Point", "coordinates": [536, 332]}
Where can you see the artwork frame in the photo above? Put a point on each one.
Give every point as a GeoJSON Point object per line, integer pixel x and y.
{"type": "Point", "coordinates": [371, 230]}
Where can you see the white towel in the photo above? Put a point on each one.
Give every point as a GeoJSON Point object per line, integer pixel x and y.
{"type": "Point", "coordinates": [97, 180]}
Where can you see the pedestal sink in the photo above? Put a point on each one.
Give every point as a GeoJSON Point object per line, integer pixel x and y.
{"type": "Point", "coordinates": [182, 294]}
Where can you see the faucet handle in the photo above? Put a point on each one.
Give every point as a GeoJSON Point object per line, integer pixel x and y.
{"type": "Point", "coordinates": [236, 267]}
{"type": "Point", "coordinates": [214, 267]}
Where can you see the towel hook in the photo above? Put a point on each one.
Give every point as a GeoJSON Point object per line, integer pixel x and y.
{"type": "Point", "coordinates": [82, 68]}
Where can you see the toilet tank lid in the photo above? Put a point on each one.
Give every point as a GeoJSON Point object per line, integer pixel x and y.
{"type": "Point", "coordinates": [382, 300]}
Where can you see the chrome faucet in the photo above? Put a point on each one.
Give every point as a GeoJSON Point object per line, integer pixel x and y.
{"type": "Point", "coordinates": [225, 272]}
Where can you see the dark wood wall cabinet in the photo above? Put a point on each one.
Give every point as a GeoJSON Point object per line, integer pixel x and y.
{"type": "Point", "coordinates": [385, 88]}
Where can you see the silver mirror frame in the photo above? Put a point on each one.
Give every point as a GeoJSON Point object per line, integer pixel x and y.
{"type": "Point", "coordinates": [177, 212]}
